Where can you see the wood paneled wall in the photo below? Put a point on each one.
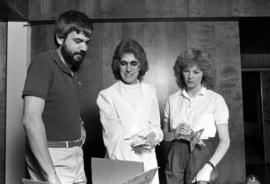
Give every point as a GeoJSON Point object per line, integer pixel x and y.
{"type": "Point", "coordinates": [3, 69]}
{"type": "Point", "coordinates": [162, 41]}
{"type": "Point", "coordinates": [115, 9]}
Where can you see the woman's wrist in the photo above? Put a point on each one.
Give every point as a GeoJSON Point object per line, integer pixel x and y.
{"type": "Point", "coordinates": [211, 164]}
{"type": "Point", "coordinates": [169, 136]}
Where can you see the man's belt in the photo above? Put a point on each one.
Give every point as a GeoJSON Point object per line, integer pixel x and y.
{"type": "Point", "coordinates": [64, 144]}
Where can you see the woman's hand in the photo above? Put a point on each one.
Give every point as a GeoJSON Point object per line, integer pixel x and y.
{"type": "Point", "coordinates": [183, 129]}
{"type": "Point", "coordinates": [142, 148]}
{"type": "Point", "coordinates": [152, 138]}
{"type": "Point", "coordinates": [204, 173]}
{"type": "Point", "coordinates": [146, 144]}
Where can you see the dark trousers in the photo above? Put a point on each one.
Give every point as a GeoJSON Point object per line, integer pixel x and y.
{"type": "Point", "coordinates": [182, 164]}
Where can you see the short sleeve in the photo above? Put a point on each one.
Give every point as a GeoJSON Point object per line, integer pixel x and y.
{"type": "Point", "coordinates": [38, 79]}
{"type": "Point", "coordinates": [221, 111]}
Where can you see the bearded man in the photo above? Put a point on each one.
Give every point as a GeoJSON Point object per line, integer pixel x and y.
{"type": "Point", "coordinates": [51, 115]}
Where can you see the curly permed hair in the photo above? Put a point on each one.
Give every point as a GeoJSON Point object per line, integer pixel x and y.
{"type": "Point", "coordinates": [191, 57]}
{"type": "Point", "coordinates": [129, 46]}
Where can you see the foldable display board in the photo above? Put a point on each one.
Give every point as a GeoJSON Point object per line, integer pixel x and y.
{"type": "Point", "coordinates": [143, 178]}
{"type": "Point", "coordinates": [106, 171]}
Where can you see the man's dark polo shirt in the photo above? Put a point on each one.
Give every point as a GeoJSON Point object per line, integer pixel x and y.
{"type": "Point", "coordinates": [48, 78]}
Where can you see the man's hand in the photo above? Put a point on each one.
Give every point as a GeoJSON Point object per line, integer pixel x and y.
{"type": "Point", "coordinates": [53, 179]}
{"type": "Point", "coordinates": [83, 133]}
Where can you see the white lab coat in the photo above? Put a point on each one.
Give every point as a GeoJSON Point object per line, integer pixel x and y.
{"type": "Point", "coordinates": [126, 110]}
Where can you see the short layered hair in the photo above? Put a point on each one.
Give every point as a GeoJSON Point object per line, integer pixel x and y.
{"type": "Point", "coordinates": [129, 46]}
{"type": "Point", "coordinates": [70, 21]}
{"type": "Point", "coordinates": [202, 60]}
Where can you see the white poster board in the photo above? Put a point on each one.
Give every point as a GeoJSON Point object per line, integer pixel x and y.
{"type": "Point", "coordinates": [106, 171]}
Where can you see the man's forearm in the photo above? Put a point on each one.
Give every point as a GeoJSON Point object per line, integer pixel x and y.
{"type": "Point", "coordinates": [37, 139]}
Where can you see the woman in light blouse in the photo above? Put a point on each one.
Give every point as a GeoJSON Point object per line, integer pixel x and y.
{"type": "Point", "coordinates": [129, 110]}
{"type": "Point", "coordinates": [193, 108]}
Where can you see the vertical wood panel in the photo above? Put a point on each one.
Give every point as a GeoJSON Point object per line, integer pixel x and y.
{"type": "Point", "coordinates": [221, 40]}
{"type": "Point", "coordinates": [165, 8]}
{"type": "Point", "coordinates": [248, 8]}
{"type": "Point", "coordinates": [3, 68]}
{"type": "Point", "coordinates": [230, 85]}
{"type": "Point", "coordinates": [42, 38]}
{"type": "Point", "coordinates": [112, 34]}
{"type": "Point", "coordinates": [49, 10]}
{"type": "Point", "coordinates": [40, 9]}
{"type": "Point", "coordinates": [123, 9]}
{"type": "Point", "coordinates": [91, 7]}
{"type": "Point", "coordinates": [163, 42]}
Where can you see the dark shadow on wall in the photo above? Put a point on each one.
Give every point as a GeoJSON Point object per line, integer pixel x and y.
{"type": "Point", "coordinates": [93, 146]}
{"type": "Point", "coordinates": [162, 152]}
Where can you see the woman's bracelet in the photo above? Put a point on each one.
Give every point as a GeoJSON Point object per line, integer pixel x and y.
{"type": "Point", "coordinates": [210, 163]}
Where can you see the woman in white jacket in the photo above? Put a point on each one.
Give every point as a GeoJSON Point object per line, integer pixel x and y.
{"type": "Point", "coordinates": [129, 110]}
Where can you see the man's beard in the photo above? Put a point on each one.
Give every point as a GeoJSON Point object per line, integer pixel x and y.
{"type": "Point", "coordinates": [70, 58]}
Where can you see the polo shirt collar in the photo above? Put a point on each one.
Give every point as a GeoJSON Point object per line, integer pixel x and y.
{"type": "Point", "coordinates": [201, 92]}
{"type": "Point", "coordinates": [60, 64]}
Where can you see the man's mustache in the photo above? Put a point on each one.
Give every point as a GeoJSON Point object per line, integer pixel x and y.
{"type": "Point", "coordinates": [81, 53]}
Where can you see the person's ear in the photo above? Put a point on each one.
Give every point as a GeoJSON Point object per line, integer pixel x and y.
{"type": "Point", "coordinates": [59, 41]}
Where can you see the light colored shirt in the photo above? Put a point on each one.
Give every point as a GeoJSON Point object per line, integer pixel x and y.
{"type": "Point", "coordinates": [125, 111]}
{"type": "Point", "coordinates": [202, 111]}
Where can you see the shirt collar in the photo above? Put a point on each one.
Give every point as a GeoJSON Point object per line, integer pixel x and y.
{"type": "Point", "coordinates": [129, 86]}
{"type": "Point", "coordinates": [200, 93]}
